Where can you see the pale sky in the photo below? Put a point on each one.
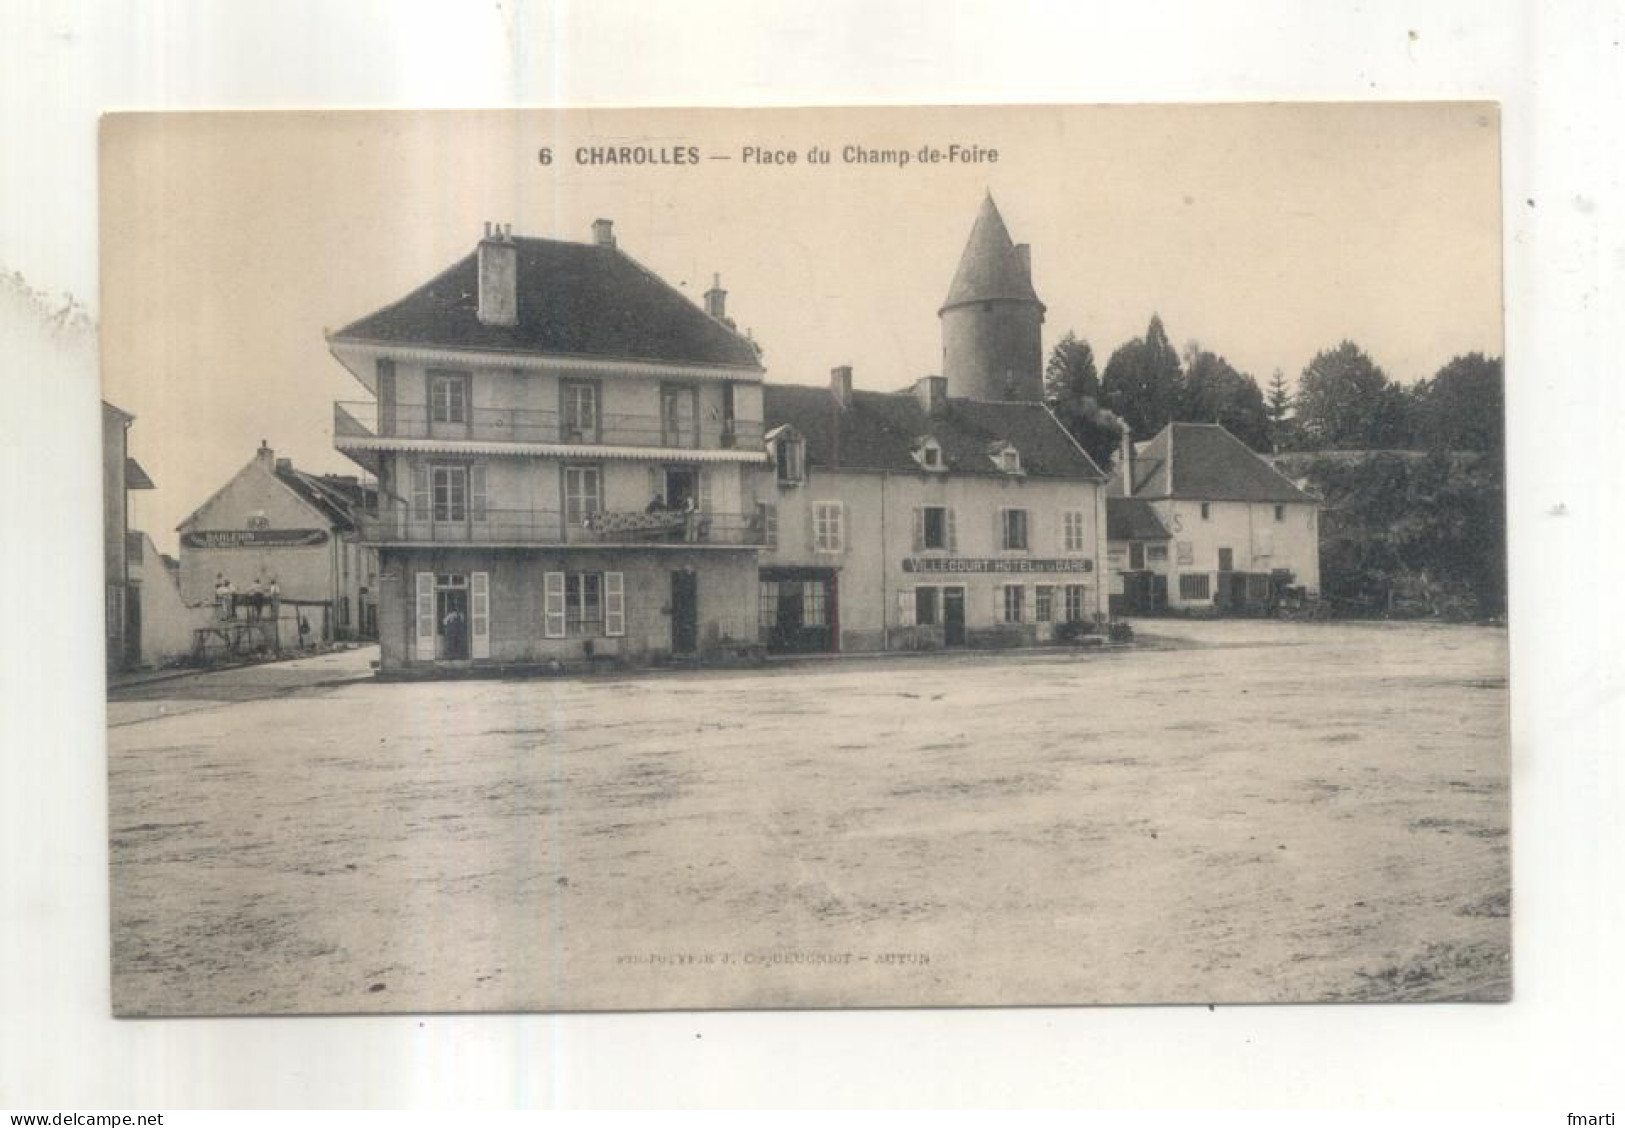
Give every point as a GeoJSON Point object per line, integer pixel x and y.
{"type": "Point", "coordinates": [232, 241]}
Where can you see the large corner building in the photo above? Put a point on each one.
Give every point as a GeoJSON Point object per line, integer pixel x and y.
{"type": "Point", "coordinates": [566, 452]}
{"type": "Point", "coordinates": [575, 461]}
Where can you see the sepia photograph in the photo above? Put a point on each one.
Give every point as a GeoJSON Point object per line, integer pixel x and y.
{"type": "Point", "coordinates": [656, 559]}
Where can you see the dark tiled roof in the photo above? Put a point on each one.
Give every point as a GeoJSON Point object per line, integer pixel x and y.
{"type": "Point", "coordinates": [990, 268]}
{"type": "Point", "coordinates": [337, 498]}
{"type": "Point", "coordinates": [575, 299]}
{"type": "Point", "coordinates": [1203, 461]}
{"type": "Point", "coordinates": [1131, 519]}
{"type": "Point", "coordinates": [879, 430]}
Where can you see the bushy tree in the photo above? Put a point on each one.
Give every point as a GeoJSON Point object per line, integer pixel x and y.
{"type": "Point", "coordinates": [1142, 381]}
{"type": "Point", "coordinates": [1072, 390]}
{"type": "Point", "coordinates": [1346, 402]}
{"type": "Point", "coordinates": [1212, 391]}
{"type": "Point", "coordinates": [1463, 407]}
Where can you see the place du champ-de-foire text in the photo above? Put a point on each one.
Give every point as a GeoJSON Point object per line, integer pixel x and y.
{"type": "Point", "coordinates": [767, 155]}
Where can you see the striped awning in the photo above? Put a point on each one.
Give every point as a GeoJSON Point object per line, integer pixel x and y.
{"type": "Point", "coordinates": [546, 450]}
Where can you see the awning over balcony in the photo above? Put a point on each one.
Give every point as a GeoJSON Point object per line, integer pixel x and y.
{"type": "Point", "coordinates": [356, 444]}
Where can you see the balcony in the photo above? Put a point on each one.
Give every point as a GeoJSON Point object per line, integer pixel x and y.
{"type": "Point", "coordinates": [395, 524]}
{"type": "Point", "coordinates": [370, 420]}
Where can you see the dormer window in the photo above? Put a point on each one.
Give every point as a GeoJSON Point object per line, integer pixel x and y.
{"type": "Point", "coordinates": [928, 453]}
{"type": "Point", "coordinates": [1006, 457]}
{"type": "Point", "coordinates": [789, 452]}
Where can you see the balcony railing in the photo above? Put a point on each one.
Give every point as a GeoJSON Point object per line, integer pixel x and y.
{"type": "Point", "coordinates": [395, 524]}
{"type": "Point", "coordinates": [361, 419]}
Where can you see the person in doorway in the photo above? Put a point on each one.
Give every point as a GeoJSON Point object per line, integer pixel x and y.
{"type": "Point", "coordinates": [222, 596]}
{"type": "Point", "coordinates": [452, 628]}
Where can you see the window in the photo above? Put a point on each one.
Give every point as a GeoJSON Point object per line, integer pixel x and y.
{"type": "Point", "coordinates": [584, 603]}
{"type": "Point", "coordinates": [1006, 457]}
{"type": "Point", "coordinates": [580, 422]}
{"type": "Point", "coordinates": [828, 533]}
{"type": "Point", "coordinates": [450, 492]}
{"type": "Point", "coordinates": [1013, 529]}
{"type": "Point", "coordinates": [928, 453]}
{"type": "Point", "coordinates": [926, 601]}
{"type": "Point", "coordinates": [730, 427]}
{"type": "Point", "coordinates": [789, 454]}
{"type": "Point", "coordinates": [1157, 553]}
{"type": "Point", "coordinates": [1207, 510]}
{"type": "Point", "coordinates": [1193, 585]}
{"type": "Point", "coordinates": [814, 609]}
{"type": "Point", "coordinates": [677, 417]}
{"type": "Point", "coordinates": [582, 485]}
{"type": "Point", "coordinates": [1185, 552]}
{"type": "Point", "coordinates": [1044, 604]}
{"type": "Point", "coordinates": [1227, 560]}
{"type": "Point", "coordinates": [1280, 513]}
{"type": "Point", "coordinates": [448, 397]}
{"type": "Point", "coordinates": [933, 528]}
{"type": "Point", "coordinates": [1014, 596]}
{"type": "Point", "coordinates": [1072, 525]}
{"type": "Point", "coordinates": [1077, 602]}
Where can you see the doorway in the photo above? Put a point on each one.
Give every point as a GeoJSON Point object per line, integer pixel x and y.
{"type": "Point", "coordinates": [685, 612]}
{"type": "Point", "coordinates": [953, 616]}
{"type": "Point", "coordinates": [451, 618]}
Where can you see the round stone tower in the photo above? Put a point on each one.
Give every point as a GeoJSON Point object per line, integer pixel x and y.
{"type": "Point", "coordinates": [992, 322]}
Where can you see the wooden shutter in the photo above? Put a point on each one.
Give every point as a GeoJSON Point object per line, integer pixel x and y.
{"type": "Point", "coordinates": [704, 500]}
{"type": "Point", "coordinates": [425, 616]}
{"type": "Point", "coordinates": [999, 544]}
{"type": "Point", "coordinates": [919, 529]}
{"type": "Point", "coordinates": [905, 605]}
{"type": "Point", "coordinates": [770, 526]}
{"type": "Point", "coordinates": [479, 614]}
{"type": "Point", "coordinates": [386, 397]}
{"type": "Point", "coordinates": [553, 605]}
{"type": "Point", "coordinates": [476, 491]}
{"type": "Point", "coordinates": [420, 491]}
{"type": "Point", "coordinates": [953, 535]}
{"type": "Point", "coordinates": [657, 484]}
{"type": "Point", "coordinates": [840, 526]}
{"type": "Point", "coordinates": [614, 604]}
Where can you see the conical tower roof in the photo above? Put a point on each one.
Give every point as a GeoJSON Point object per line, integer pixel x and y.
{"type": "Point", "coordinates": [991, 268]}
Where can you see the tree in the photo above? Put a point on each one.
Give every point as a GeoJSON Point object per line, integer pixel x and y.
{"type": "Point", "coordinates": [1463, 406]}
{"type": "Point", "coordinates": [1072, 390]}
{"type": "Point", "coordinates": [1278, 406]}
{"type": "Point", "coordinates": [1214, 392]}
{"type": "Point", "coordinates": [1346, 402]}
{"type": "Point", "coordinates": [1142, 382]}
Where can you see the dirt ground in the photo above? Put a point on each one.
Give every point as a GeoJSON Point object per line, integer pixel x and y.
{"type": "Point", "coordinates": [1235, 812]}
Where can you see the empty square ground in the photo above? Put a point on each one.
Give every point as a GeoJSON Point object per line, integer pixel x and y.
{"type": "Point", "coordinates": [1234, 812]}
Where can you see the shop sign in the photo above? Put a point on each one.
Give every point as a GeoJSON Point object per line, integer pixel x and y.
{"type": "Point", "coordinates": [253, 538]}
{"type": "Point", "coordinates": [973, 565]}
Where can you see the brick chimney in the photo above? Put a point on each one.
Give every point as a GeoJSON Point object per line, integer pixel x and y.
{"type": "Point", "coordinates": [603, 232]}
{"type": "Point", "coordinates": [840, 385]}
{"type": "Point", "coordinates": [499, 277]}
{"type": "Point", "coordinates": [284, 466]}
{"type": "Point", "coordinates": [932, 392]}
{"type": "Point", "coordinates": [716, 299]}
{"type": "Point", "coordinates": [265, 456]}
